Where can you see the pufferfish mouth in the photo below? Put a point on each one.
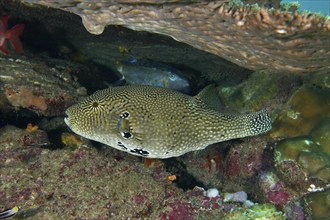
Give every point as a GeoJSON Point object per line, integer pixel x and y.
{"type": "Point", "coordinates": [67, 120]}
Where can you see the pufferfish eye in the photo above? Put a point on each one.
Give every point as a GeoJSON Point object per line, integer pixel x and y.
{"type": "Point", "coordinates": [172, 76]}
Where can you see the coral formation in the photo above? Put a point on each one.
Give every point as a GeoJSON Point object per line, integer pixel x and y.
{"type": "Point", "coordinates": [71, 140]}
{"type": "Point", "coordinates": [321, 135]}
{"type": "Point", "coordinates": [307, 107]}
{"type": "Point", "coordinates": [34, 85]}
{"type": "Point", "coordinates": [253, 37]}
{"type": "Point", "coordinates": [299, 161]}
{"type": "Point", "coordinates": [258, 211]}
{"type": "Point", "coordinates": [320, 204]}
{"type": "Point", "coordinates": [260, 89]}
{"type": "Point", "coordinates": [25, 98]}
{"type": "Point", "coordinates": [47, 180]}
{"type": "Point", "coordinates": [86, 182]}
{"type": "Point", "coordinates": [272, 189]}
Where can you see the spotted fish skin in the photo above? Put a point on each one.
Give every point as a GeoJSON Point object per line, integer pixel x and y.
{"type": "Point", "coordinates": [157, 122]}
{"type": "Point", "coordinates": [148, 72]}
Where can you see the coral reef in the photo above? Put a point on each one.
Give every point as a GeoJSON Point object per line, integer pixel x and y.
{"type": "Point", "coordinates": [51, 173]}
{"type": "Point", "coordinates": [320, 134]}
{"type": "Point", "coordinates": [303, 164]}
{"type": "Point", "coordinates": [307, 107]}
{"type": "Point", "coordinates": [260, 89]}
{"type": "Point", "coordinates": [259, 211]}
{"type": "Point", "coordinates": [63, 35]}
{"type": "Point", "coordinates": [85, 182]}
{"type": "Point", "coordinates": [249, 36]}
{"type": "Point", "coordinates": [284, 171]}
{"type": "Point", "coordinates": [302, 167]}
{"type": "Point", "coordinates": [71, 140]}
{"type": "Point", "coordinates": [34, 85]}
{"type": "Point", "coordinates": [320, 204]}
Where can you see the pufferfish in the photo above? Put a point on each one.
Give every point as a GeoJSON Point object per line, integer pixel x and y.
{"type": "Point", "coordinates": [157, 122]}
{"type": "Point", "coordinates": [148, 72]}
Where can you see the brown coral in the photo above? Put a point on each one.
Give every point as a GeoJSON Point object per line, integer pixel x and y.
{"type": "Point", "coordinates": [246, 35]}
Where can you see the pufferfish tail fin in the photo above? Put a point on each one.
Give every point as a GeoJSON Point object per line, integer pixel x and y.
{"type": "Point", "coordinates": [257, 123]}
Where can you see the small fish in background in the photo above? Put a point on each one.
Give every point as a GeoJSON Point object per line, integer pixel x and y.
{"type": "Point", "coordinates": [148, 72]}
{"type": "Point", "coordinates": [156, 122]}
{"type": "Point", "coordinates": [8, 213]}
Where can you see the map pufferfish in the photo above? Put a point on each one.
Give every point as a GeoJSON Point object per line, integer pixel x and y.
{"type": "Point", "coordinates": [156, 122]}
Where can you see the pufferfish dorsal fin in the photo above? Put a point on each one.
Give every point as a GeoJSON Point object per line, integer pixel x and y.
{"type": "Point", "coordinates": [210, 98]}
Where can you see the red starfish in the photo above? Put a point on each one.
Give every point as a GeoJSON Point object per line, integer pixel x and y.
{"type": "Point", "coordinates": [11, 35]}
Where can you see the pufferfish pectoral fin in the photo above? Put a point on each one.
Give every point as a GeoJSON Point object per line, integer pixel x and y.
{"type": "Point", "coordinates": [120, 124]}
{"type": "Point", "coordinates": [210, 98]}
{"type": "Point", "coordinates": [113, 123]}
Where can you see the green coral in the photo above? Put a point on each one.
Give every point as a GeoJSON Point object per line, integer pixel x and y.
{"type": "Point", "coordinates": [321, 135]}
{"type": "Point", "coordinates": [310, 154]}
{"type": "Point", "coordinates": [253, 93]}
{"type": "Point", "coordinates": [290, 6]}
{"type": "Point", "coordinates": [307, 107]}
{"type": "Point", "coordinates": [291, 148]}
{"type": "Point", "coordinates": [265, 211]}
{"type": "Point", "coordinates": [234, 4]}
{"type": "Point", "coordinates": [307, 154]}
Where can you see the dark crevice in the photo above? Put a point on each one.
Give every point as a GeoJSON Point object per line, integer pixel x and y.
{"type": "Point", "coordinates": [185, 180]}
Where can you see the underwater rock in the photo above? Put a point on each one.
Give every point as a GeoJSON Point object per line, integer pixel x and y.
{"type": "Point", "coordinates": [303, 163]}
{"type": "Point", "coordinates": [307, 107]}
{"type": "Point", "coordinates": [297, 210]}
{"type": "Point", "coordinates": [71, 140]}
{"type": "Point", "coordinates": [300, 163]}
{"type": "Point", "coordinates": [270, 188]}
{"type": "Point", "coordinates": [301, 158]}
{"type": "Point", "coordinates": [231, 166]}
{"type": "Point", "coordinates": [205, 165]}
{"type": "Point", "coordinates": [38, 86]}
{"type": "Point", "coordinates": [321, 135]}
{"type": "Point", "coordinates": [86, 182]}
{"type": "Point", "coordinates": [20, 146]}
{"type": "Point", "coordinates": [319, 203]}
{"type": "Point", "coordinates": [260, 88]}
{"type": "Point", "coordinates": [61, 35]}
{"type": "Point", "coordinates": [249, 36]}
